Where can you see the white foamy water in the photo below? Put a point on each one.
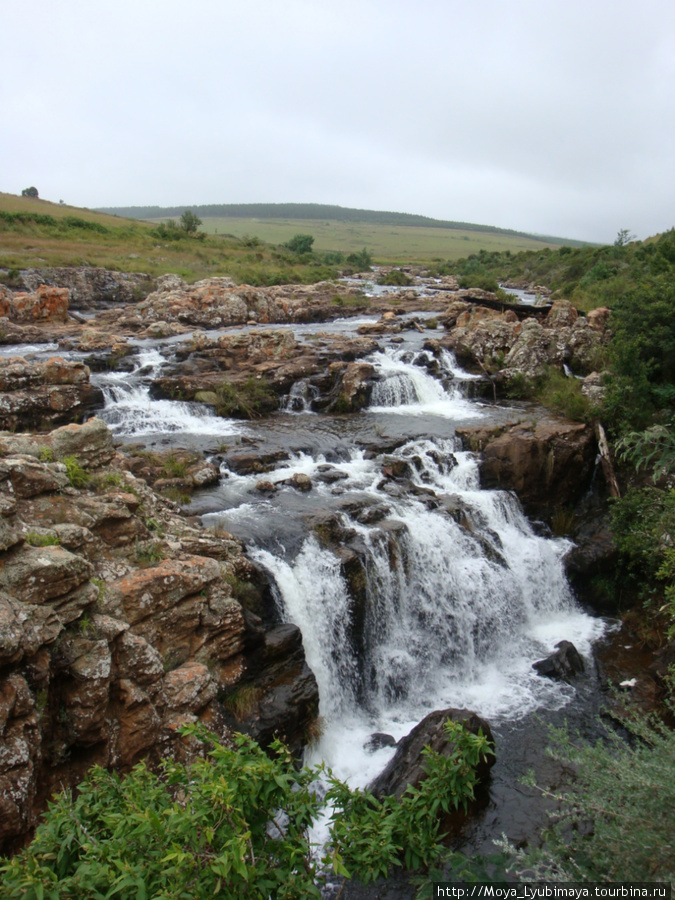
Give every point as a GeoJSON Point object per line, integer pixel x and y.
{"type": "Point", "coordinates": [406, 387]}
{"type": "Point", "coordinates": [460, 600]}
{"type": "Point", "coordinates": [130, 411]}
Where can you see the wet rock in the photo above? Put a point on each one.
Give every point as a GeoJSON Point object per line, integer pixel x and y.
{"type": "Point", "coordinates": [407, 765]}
{"type": "Point", "coordinates": [377, 741]}
{"type": "Point", "coordinates": [565, 663]}
{"type": "Point", "coordinates": [266, 487]}
{"type": "Point", "coordinates": [300, 482]}
{"type": "Point", "coordinates": [355, 387]}
{"type": "Point", "coordinates": [283, 699]}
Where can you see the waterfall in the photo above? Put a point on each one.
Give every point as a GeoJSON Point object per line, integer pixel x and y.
{"type": "Point", "coordinates": [455, 598]}
{"type": "Point", "coordinates": [419, 382]}
{"type": "Point", "coordinates": [130, 410]}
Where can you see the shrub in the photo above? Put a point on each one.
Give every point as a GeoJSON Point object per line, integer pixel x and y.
{"type": "Point", "coordinates": [35, 539]}
{"type": "Point", "coordinates": [616, 819]}
{"type": "Point", "coordinates": [76, 474]}
{"type": "Point", "coordinates": [562, 394]}
{"type": "Point", "coordinates": [234, 824]}
{"type": "Point", "coordinates": [300, 243]}
{"type": "Point", "coordinates": [395, 277]}
{"type": "Point", "coordinates": [245, 400]}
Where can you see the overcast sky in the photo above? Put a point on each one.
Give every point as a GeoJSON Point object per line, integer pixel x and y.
{"type": "Point", "coordinates": [548, 116]}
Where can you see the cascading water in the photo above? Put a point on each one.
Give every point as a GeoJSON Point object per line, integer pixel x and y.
{"type": "Point", "coordinates": [130, 410]}
{"type": "Point", "coordinates": [406, 384]}
{"type": "Point", "coordinates": [441, 595]}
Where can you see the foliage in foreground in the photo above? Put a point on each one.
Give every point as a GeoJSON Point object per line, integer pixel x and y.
{"type": "Point", "coordinates": [616, 818]}
{"type": "Point", "coordinates": [237, 820]}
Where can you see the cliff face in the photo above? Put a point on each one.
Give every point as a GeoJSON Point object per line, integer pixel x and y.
{"type": "Point", "coordinates": [119, 623]}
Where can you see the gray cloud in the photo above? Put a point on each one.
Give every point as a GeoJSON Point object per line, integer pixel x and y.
{"type": "Point", "coordinates": [554, 117]}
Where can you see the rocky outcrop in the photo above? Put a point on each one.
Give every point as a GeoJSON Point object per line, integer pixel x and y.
{"type": "Point", "coordinates": [90, 286]}
{"type": "Point", "coordinates": [47, 305]}
{"type": "Point", "coordinates": [563, 664]}
{"type": "Point", "coordinates": [218, 302]}
{"type": "Point", "coordinates": [43, 394]}
{"type": "Point", "coordinates": [549, 464]}
{"type": "Point", "coordinates": [119, 622]}
{"type": "Point", "coordinates": [485, 339]}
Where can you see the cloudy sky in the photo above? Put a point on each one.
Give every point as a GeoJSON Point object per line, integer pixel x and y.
{"type": "Point", "coordinates": [548, 116]}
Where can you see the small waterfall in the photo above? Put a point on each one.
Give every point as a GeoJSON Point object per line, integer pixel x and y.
{"type": "Point", "coordinates": [300, 396]}
{"type": "Point", "coordinates": [129, 409]}
{"type": "Point", "coordinates": [418, 382]}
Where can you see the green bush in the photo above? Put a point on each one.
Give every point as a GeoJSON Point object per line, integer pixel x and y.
{"type": "Point", "coordinates": [395, 277]}
{"type": "Point", "coordinates": [615, 822]}
{"type": "Point", "coordinates": [245, 400]}
{"type": "Point", "coordinates": [562, 394]}
{"type": "Point", "coordinates": [77, 476]}
{"type": "Point", "coordinates": [234, 824]}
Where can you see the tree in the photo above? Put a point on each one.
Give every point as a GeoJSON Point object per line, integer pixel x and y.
{"type": "Point", "coordinates": [30, 192]}
{"type": "Point", "coordinates": [190, 222]}
{"type": "Point", "coordinates": [300, 243]}
{"type": "Point", "coordinates": [624, 237]}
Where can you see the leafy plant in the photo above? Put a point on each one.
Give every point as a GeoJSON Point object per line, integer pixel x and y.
{"type": "Point", "coordinates": [77, 476]}
{"type": "Point", "coordinates": [234, 824]}
{"type": "Point", "coordinates": [653, 448]}
{"type": "Point", "coordinates": [616, 817]}
{"type": "Point", "coordinates": [46, 455]}
{"type": "Point", "coordinates": [370, 836]}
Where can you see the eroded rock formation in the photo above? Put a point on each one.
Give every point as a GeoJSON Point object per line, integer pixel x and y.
{"type": "Point", "coordinates": [119, 622]}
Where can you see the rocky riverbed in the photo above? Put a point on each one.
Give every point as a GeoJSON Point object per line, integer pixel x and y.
{"type": "Point", "coordinates": [350, 551]}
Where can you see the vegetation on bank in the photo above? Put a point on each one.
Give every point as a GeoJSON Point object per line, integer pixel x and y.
{"type": "Point", "coordinates": [236, 823]}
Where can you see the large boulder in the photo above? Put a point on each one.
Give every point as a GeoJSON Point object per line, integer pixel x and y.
{"type": "Point", "coordinates": [549, 465]}
{"type": "Point", "coordinates": [407, 769]}
{"type": "Point", "coordinates": [47, 305]}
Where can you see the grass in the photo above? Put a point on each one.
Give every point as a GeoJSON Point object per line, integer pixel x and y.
{"type": "Point", "coordinates": [385, 242]}
{"type": "Point", "coordinates": [248, 250]}
{"type": "Point", "coordinates": [35, 539]}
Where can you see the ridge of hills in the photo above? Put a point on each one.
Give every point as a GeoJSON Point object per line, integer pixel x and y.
{"type": "Point", "coordinates": [320, 212]}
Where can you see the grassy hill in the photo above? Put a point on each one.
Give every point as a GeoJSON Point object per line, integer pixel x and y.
{"type": "Point", "coordinates": [388, 236]}
{"type": "Point", "coordinates": [36, 233]}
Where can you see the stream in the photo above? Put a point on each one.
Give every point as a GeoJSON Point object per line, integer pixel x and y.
{"type": "Point", "coordinates": [458, 594]}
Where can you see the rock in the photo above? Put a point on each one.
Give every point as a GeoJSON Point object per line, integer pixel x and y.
{"type": "Point", "coordinates": [35, 395]}
{"type": "Point", "coordinates": [90, 286]}
{"type": "Point", "coordinates": [266, 487]}
{"type": "Point", "coordinates": [377, 741]}
{"type": "Point", "coordinates": [355, 387]}
{"type": "Point", "coordinates": [549, 465]}
{"type": "Point", "coordinates": [24, 628]}
{"type": "Point", "coordinates": [594, 388]}
{"type": "Point", "coordinates": [284, 700]}
{"type": "Point", "coordinates": [300, 482]}
{"type": "Point", "coordinates": [407, 765]}
{"type": "Point", "coordinates": [101, 659]}
{"type": "Point", "coordinates": [48, 305]}
{"type": "Point", "coordinates": [563, 664]}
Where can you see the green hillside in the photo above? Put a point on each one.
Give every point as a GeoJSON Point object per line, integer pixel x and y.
{"type": "Point", "coordinates": [388, 236]}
